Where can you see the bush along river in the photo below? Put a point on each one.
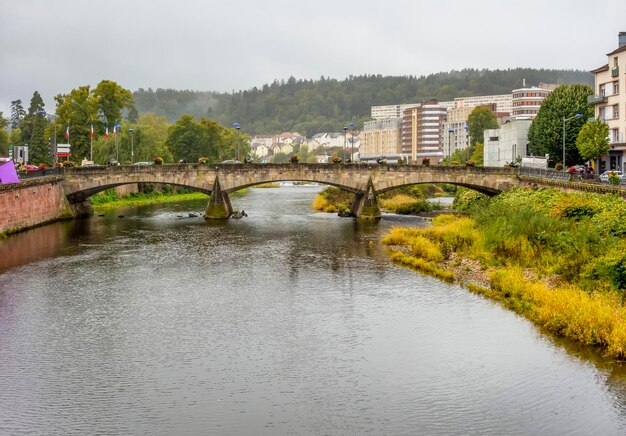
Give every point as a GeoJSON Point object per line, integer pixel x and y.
{"type": "Point", "coordinates": [287, 321]}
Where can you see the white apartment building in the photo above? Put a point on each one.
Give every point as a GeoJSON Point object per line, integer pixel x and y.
{"type": "Point", "coordinates": [261, 146]}
{"type": "Point", "coordinates": [328, 140]}
{"type": "Point", "coordinates": [506, 144]}
{"type": "Point", "coordinates": [527, 101]}
{"type": "Point", "coordinates": [610, 104]}
{"type": "Point", "coordinates": [503, 102]}
{"type": "Point", "coordinates": [456, 131]}
{"type": "Point", "coordinates": [391, 111]}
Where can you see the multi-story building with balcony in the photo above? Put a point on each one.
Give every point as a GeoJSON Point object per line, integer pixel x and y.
{"type": "Point", "coordinates": [456, 130]}
{"type": "Point", "coordinates": [422, 132]}
{"type": "Point", "coordinates": [381, 139]}
{"type": "Point", "coordinates": [610, 104]}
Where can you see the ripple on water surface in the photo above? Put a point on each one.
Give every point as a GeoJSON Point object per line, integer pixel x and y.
{"type": "Point", "coordinates": [286, 322]}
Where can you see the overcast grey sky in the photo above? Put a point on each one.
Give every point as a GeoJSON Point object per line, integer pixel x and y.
{"type": "Point", "coordinates": [53, 46]}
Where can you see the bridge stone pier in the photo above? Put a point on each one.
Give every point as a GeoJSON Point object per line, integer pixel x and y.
{"type": "Point", "coordinates": [365, 181]}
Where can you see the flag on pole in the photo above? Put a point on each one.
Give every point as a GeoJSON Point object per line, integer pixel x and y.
{"type": "Point", "coordinates": [67, 131]}
{"type": "Point", "coordinates": [91, 134]}
{"type": "Point", "coordinates": [106, 131]}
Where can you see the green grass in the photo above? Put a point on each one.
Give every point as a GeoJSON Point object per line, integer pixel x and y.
{"type": "Point", "coordinates": [109, 199]}
{"type": "Point", "coordinates": [557, 258]}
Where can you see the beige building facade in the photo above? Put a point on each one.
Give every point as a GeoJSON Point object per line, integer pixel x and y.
{"type": "Point", "coordinates": [381, 139]}
{"type": "Point", "coordinates": [609, 101]}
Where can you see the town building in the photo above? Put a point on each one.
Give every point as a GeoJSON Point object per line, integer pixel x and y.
{"type": "Point", "coordinates": [502, 102]}
{"type": "Point", "coordinates": [610, 105]}
{"type": "Point", "coordinates": [507, 144]}
{"type": "Point", "coordinates": [381, 139]}
{"type": "Point", "coordinates": [326, 140]}
{"type": "Point", "coordinates": [527, 101]}
{"type": "Point", "coordinates": [264, 147]}
{"type": "Point", "coordinates": [456, 132]}
{"type": "Point", "coordinates": [422, 132]}
{"type": "Point", "coordinates": [391, 111]}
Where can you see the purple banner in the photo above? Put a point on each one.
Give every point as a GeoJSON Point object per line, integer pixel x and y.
{"type": "Point", "coordinates": [8, 173]}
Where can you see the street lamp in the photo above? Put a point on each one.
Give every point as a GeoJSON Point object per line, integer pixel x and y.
{"type": "Point", "coordinates": [42, 111]}
{"type": "Point", "coordinates": [450, 132]}
{"type": "Point", "coordinates": [237, 126]}
{"type": "Point", "coordinates": [345, 130]}
{"type": "Point", "coordinates": [564, 120]}
{"type": "Point", "coordinates": [352, 134]}
{"type": "Point", "coordinates": [132, 146]}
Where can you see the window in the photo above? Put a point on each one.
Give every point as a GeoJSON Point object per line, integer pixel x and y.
{"type": "Point", "coordinates": [603, 89]}
{"type": "Point", "coordinates": [614, 135]}
{"type": "Point", "coordinates": [616, 87]}
{"type": "Point", "coordinates": [602, 113]}
{"type": "Point", "coordinates": [616, 111]}
{"type": "Point", "coordinates": [615, 61]}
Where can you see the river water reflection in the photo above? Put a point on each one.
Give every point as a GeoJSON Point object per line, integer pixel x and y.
{"type": "Point", "coordinates": [284, 322]}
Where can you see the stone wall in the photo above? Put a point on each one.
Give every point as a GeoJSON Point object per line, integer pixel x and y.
{"type": "Point", "coordinates": [32, 203]}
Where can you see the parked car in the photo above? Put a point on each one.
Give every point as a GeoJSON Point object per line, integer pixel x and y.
{"type": "Point", "coordinates": [231, 161]}
{"type": "Point", "coordinates": [604, 177]}
{"type": "Point", "coordinates": [29, 168]}
{"type": "Point", "coordinates": [142, 164]}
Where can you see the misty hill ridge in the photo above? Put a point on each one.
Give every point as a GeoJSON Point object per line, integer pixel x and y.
{"type": "Point", "coordinates": [326, 105]}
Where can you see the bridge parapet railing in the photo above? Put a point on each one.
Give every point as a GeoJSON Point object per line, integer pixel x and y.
{"type": "Point", "coordinates": [544, 173]}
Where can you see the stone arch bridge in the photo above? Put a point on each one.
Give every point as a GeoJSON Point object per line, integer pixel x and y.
{"type": "Point", "coordinates": [363, 180]}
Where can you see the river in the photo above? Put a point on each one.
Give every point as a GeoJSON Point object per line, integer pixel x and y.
{"type": "Point", "coordinates": [149, 321]}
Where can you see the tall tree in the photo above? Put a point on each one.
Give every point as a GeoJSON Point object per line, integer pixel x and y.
{"type": "Point", "coordinates": [17, 113]}
{"type": "Point", "coordinates": [479, 120]}
{"type": "Point", "coordinates": [103, 106]}
{"type": "Point", "coordinates": [33, 131]}
{"type": "Point", "coordinates": [593, 140]}
{"type": "Point", "coordinates": [185, 139]}
{"type": "Point", "coordinates": [189, 140]}
{"type": "Point", "coordinates": [545, 135]}
{"type": "Point", "coordinates": [75, 113]}
{"type": "Point", "coordinates": [150, 138]}
{"type": "Point", "coordinates": [4, 136]}
{"type": "Point", "coordinates": [111, 100]}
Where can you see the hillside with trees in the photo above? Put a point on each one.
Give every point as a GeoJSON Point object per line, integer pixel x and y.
{"type": "Point", "coordinates": [312, 106]}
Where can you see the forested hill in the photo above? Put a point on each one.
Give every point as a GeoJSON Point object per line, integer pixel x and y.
{"type": "Point", "coordinates": [312, 106]}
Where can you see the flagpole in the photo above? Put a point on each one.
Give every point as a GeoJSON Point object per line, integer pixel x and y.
{"type": "Point", "coordinates": [67, 138]}
{"type": "Point", "coordinates": [91, 141]}
{"type": "Point", "coordinates": [117, 155]}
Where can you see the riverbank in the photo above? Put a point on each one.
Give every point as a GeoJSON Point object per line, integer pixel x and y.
{"type": "Point", "coordinates": [110, 201]}
{"type": "Point", "coordinates": [559, 259]}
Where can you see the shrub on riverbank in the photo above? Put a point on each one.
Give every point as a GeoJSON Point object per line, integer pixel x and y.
{"type": "Point", "coordinates": [406, 200]}
{"type": "Point", "coordinates": [558, 258]}
{"type": "Point", "coordinates": [332, 199]}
